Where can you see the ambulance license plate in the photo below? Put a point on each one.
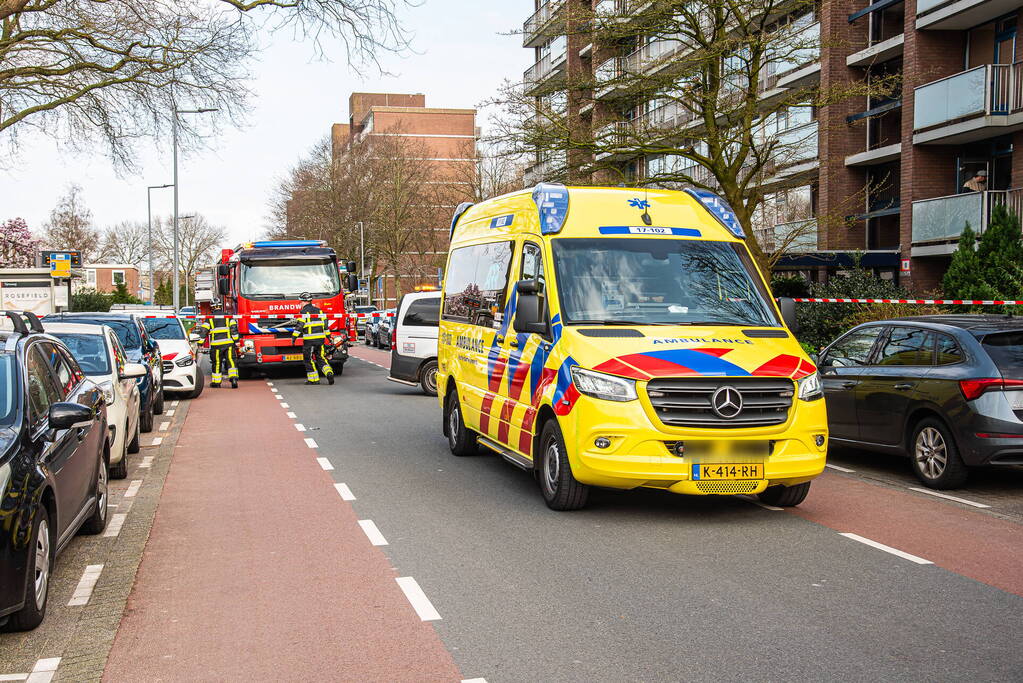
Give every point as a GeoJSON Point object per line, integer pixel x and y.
{"type": "Point", "coordinates": [728, 471]}
{"type": "Point", "coordinates": [293, 356]}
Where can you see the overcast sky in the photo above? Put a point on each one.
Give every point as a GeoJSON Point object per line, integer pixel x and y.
{"type": "Point", "coordinates": [462, 59]}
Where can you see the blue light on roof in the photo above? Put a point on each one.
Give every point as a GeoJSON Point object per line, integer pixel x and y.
{"type": "Point", "coordinates": [551, 201]}
{"type": "Point", "coordinates": [462, 208]}
{"type": "Point", "coordinates": [720, 209]}
{"type": "Point", "coordinates": [289, 243]}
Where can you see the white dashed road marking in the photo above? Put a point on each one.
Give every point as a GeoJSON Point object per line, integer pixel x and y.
{"type": "Point", "coordinates": [887, 549]}
{"type": "Point", "coordinates": [146, 462]}
{"type": "Point", "coordinates": [169, 413]}
{"type": "Point", "coordinates": [474, 680]}
{"type": "Point", "coordinates": [300, 427]}
{"type": "Point", "coordinates": [116, 522]}
{"type": "Point", "coordinates": [415, 595]}
{"type": "Point", "coordinates": [840, 469]}
{"type": "Point", "coordinates": [285, 405]}
{"type": "Point", "coordinates": [344, 492]}
{"type": "Point", "coordinates": [164, 426]}
{"type": "Point", "coordinates": [278, 397]}
{"type": "Point", "coordinates": [948, 497]}
{"type": "Point", "coordinates": [311, 443]}
{"type": "Point", "coordinates": [133, 488]}
{"type": "Point", "coordinates": [292, 415]}
{"type": "Point", "coordinates": [174, 404]}
{"type": "Point", "coordinates": [753, 499]}
{"type": "Point", "coordinates": [43, 671]}
{"type": "Point", "coordinates": [157, 441]}
{"type": "Point", "coordinates": [85, 585]}
{"type": "Point", "coordinates": [372, 532]}
{"type": "Point", "coordinates": [325, 464]}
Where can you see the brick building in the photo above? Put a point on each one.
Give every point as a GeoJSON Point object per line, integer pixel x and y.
{"type": "Point", "coordinates": [883, 179]}
{"type": "Point", "coordinates": [446, 140]}
{"type": "Point", "coordinates": [104, 277]}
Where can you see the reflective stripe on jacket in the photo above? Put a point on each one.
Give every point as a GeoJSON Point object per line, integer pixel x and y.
{"type": "Point", "coordinates": [313, 327]}
{"type": "Point", "coordinates": [221, 331]}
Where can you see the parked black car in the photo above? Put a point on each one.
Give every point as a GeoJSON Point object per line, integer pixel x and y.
{"type": "Point", "coordinates": [140, 347]}
{"type": "Point", "coordinates": [946, 390]}
{"type": "Point", "coordinates": [385, 329]}
{"type": "Point", "coordinates": [54, 455]}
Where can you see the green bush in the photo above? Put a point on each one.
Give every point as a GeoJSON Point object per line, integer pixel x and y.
{"type": "Point", "coordinates": [988, 268]}
{"type": "Point", "coordinates": [792, 286]}
{"type": "Point", "coordinates": [91, 301]}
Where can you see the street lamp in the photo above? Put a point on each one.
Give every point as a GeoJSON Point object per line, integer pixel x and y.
{"type": "Point", "coordinates": [152, 273]}
{"type": "Point", "coordinates": [174, 135]}
{"type": "Point", "coordinates": [362, 256]}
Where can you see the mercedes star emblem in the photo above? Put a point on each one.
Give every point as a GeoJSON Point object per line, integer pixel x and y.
{"type": "Point", "coordinates": [726, 402]}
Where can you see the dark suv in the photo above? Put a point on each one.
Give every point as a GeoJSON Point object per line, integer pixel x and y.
{"type": "Point", "coordinates": [54, 458]}
{"type": "Point", "coordinates": [140, 347]}
{"type": "Point", "coordinates": [946, 390]}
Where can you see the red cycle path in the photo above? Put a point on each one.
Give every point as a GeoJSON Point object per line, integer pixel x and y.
{"type": "Point", "coordinates": [974, 544]}
{"type": "Point", "coordinates": [257, 570]}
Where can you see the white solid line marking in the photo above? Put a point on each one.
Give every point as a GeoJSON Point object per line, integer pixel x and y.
{"type": "Point", "coordinates": [344, 492]}
{"type": "Point", "coordinates": [133, 488]}
{"type": "Point", "coordinates": [372, 532]}
{"type": "Point", "coordinates": [325, 464]}
{"type": "Point", "coordinates": [164, 426]}
{"type": "Point", "coordinates": [157, 441]}
{"type": "Point", "coordinates": [169, 413]}
{"type": "Point", "coordinates": [292, 415]}
{"type": "Point", "coordinates": [44, 670]}
{"type": "Point", "coordinates": [116, 522]}
{"type": "Point", "coordinates": [840, 469]}
{"type": "Point", "coordinates": [752, 499]}
{"type": "Point", "coordinates": [311, 443]}
{"type": "Point", "coordinates": [948, 497]}
{"type": "Point", "coordinates": [13, 677]}
{"type": "Point", "coordinates": [83, 591]}
{"type": "Point", "coordinates": [300, 427]}
{"type": "Point", "coordinates": [887, 549]}
{"type": "Point", "coordinates": [285, 405]}
{"type": "Point", "coordinates": [415, 595]}
{"type": "Point", "coordinates": [146, 462]}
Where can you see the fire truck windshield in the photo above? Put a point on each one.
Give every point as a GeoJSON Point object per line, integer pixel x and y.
{"type": "Point", "coordinates": [286, 279]}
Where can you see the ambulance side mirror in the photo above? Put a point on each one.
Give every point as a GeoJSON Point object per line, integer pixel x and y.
{"type": "Point", "coordinates": [529, 314]}
{"type": "Point", "coordinates": [788, 313]}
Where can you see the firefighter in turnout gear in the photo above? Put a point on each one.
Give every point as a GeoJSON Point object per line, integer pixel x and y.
{"type": "Point", "coordinates": [222, 332]}
{"type": "Point", "coordinates": [313, 328]}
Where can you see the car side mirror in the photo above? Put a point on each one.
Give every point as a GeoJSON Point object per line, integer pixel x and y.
{"type": "Point", "coordinates": [223, 270]}
{"type": "Point", "coordinates": [193, 337]}
{"type": "Point", "coordinates": [69, 416]}
{"type": "Point", "coordinates": [353, 282]}
{"type": "Point", "coordinates": [529, 314]}
{"type": "Point", "coordinates": [132, 370]}
{"type": "Point", "coordinates": [788, 313]}
{"type": "Point", "coordinates": [224, 286]}
{"type": "Point", "coordinates": [815, 358]}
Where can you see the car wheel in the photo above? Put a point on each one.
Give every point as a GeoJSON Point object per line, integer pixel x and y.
{"type": "Point", "coordinates": [784, 496]}
{"type": "Point", "coordinates": [461, 441]}
{"type": "Point", "coordinates": [936, 460]}
{"type": "Point", "coordinates": [146, 421]}
{"type": "Point", "coordinates": [134, 446]}
{"type": "Point", "coordinates": [97, 521]}
{"type": "Point", "coordinates": [200, 383]}
{"type": "Point", "coordinates": [37, 576]}
{"type": "Point", "coordinates": [119, 470]}
{"type": "Point", "coordinates": [158, 405]}
{"type": "Point", "coordinates": [428, 378]}
{"type": "Point", "coordinates": [561, 490]}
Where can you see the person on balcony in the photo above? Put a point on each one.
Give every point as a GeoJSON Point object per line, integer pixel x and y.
{"type": "Point", "coordinates": [978, 183]}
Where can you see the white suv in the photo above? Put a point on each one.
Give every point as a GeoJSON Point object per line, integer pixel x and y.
{"type": "Point", "coordinates": [181, 371]}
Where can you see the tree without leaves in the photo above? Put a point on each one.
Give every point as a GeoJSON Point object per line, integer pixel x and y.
{"type": "Point", "coordinates": [126, 242]}
{"type": "Point", "coordinates": [18, 246]}
{"type": "Point", "coordinates": [70, 226]}
{"type": "Point", "coordinates": [112, 70]}
{"type": "Point", "coordinates": [198, 242]}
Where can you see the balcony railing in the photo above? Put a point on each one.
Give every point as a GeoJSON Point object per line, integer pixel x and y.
{"type": "Point", "coordinates": [797, 237]}
{"type": "Point", "coordinates": [551, 167]}
{"type": "Point", "coordinates": [991, 89]}
{"type": "Point", "coordinates": [664, 117]}
{"type": "Point", "coordinates": [651, 53]}
{"type": "Point", "coordinates": [534, 25]}
{"type": "Point", "coordinates": [795, 145]}
{"type": "Point", "coordinates": [942, 219]}
{"type": "Point", "coordinates": [544, 68]}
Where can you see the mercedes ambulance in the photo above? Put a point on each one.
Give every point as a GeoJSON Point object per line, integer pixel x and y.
{"type": "Point", "coordinates": [624, 338]}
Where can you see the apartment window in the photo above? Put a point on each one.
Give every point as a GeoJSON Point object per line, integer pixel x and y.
{"type": "Point", "coordinates": [90, 277]}
{"type": "Point", "coordinates": [118, 277]}
{"type": "Point", "coordinates": [887, 23]}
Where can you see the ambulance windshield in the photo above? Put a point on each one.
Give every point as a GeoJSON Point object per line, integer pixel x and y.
{"type": "Point", "coordinates": [659, 282]}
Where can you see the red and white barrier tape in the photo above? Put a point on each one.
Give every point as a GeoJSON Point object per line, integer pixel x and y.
{"type": "Point", "coordinates": [940, 302]}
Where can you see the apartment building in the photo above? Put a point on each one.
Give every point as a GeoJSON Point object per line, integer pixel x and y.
{"type": "Point", "coordinates": [889, 180]}
{"type": "Point", "coordinates": [445, 140]}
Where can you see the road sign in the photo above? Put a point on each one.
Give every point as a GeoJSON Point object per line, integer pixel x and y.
{"type": "Point", "coordinates": [60, 265]}
{"type": "Point", "coordinates": [47, 256]}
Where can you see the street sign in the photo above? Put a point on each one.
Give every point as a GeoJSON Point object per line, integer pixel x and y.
{"type": "Point", "coordinates": [905, 265]}
{"type": "Point", "coordinates": [60, 265]}
{"type": "Point", "coordinates": [45, 257]}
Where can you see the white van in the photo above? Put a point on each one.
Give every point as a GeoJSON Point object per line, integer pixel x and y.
{"type": "Point", "coordinates": [414, 353]}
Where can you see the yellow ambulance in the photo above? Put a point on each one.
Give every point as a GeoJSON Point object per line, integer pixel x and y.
{"type": "Point", "coordinates": [624, 338]}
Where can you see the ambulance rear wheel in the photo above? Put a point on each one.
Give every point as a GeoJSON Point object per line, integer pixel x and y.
{"type": "Point", "coordinates": [461, 440]}
{"type": "Point", "coordinates": [785, 496]}
{"type": "Point", "coordinates": [561, 490]}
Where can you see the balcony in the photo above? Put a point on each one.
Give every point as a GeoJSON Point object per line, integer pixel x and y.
{"type": "Point", "coordinates": [802, 65]}
{"type": "Point", "coordinates": [612, 140]}
{"type": "Point", "coordinates": [552, 167]}
{"type": "Point", "coordinates": [546, 68]}
{"type": "Point", "coordinates": [957, 15]}
{"type": "Point", "coordinates": [938, 222]}
{"type": "Point", "coordinates": [608, 78]}
{"type": "Point", "coordinates": [972, 105]}
{"type": "Point", "coordinates": [666, 117]}
{"type": "Point", "coordinates": [794, 237]}
{"type": "Point", "coordinates": [653, 55]}
{"type": "Point", "coordinates": [537, 28]}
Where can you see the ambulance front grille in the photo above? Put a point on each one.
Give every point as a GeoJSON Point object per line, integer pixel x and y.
{"type": "Point", "coordinates": [686, 402]}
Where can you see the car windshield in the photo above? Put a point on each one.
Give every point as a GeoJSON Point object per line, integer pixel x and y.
{"type": "Point", "coordinates": [658, 281]}
{"type": "Point", "coordinates": [7, 389]}
{"type": "Point", "coordinates": [1005, 349]}
{"type": "Point", "coordinates": [365, 309]}
{"type": "Point", "coordinates": [163, 328]}
{"type": "Point", "coordinates": [127, 331]}
{"type": "Point", "coordinates": [286, 279]}
{"type": "Point", "coordinates": [89, 350]}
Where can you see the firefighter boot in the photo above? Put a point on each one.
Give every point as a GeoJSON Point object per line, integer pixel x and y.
{"type": "Point", "coordinates": [328, 372]}
{"type": "Point", "coordinates": [234, 383]}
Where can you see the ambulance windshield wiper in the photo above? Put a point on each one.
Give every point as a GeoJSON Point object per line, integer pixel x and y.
{"type": "Point", "coordinates": [616, 322]}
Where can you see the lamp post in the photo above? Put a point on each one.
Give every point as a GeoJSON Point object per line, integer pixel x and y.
{"type": "Point", "coordinates": [174, 135]}
{"type": "Point", "coordinates": [152, 273]}
{"type": "Point", "coordinates": [362, 256]}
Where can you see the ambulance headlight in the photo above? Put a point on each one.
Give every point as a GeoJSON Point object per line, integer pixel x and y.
{"type": "Point", "coordinates": [606, 387]}
{"type": "Point", "coordinates": [810, 388]}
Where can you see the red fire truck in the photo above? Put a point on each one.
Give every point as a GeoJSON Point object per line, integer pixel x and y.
{"type": "Point", "coordinates": [260, 284]}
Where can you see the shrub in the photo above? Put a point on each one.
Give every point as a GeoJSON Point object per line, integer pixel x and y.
{"type": "Point", "coordinates": [791, 286]}
{"type": "Point", "coordinates": [92, 301]}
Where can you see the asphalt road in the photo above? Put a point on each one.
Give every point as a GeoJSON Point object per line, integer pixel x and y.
{"type": "Point", "coordinates": [648, 586]}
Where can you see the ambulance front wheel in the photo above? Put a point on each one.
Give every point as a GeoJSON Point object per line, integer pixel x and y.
{"type": "Point", "coordinates": [785, 496]}
{"type": "Point", "coordinates": [461, 440]}
{"type": "Point", "coordinates": [561, 490]}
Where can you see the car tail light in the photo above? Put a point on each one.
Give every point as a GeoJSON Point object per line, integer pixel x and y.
{"type": "Point", "coordinates": [973, 388]}
{"type": "Point", "coordinates": [394, 335]}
